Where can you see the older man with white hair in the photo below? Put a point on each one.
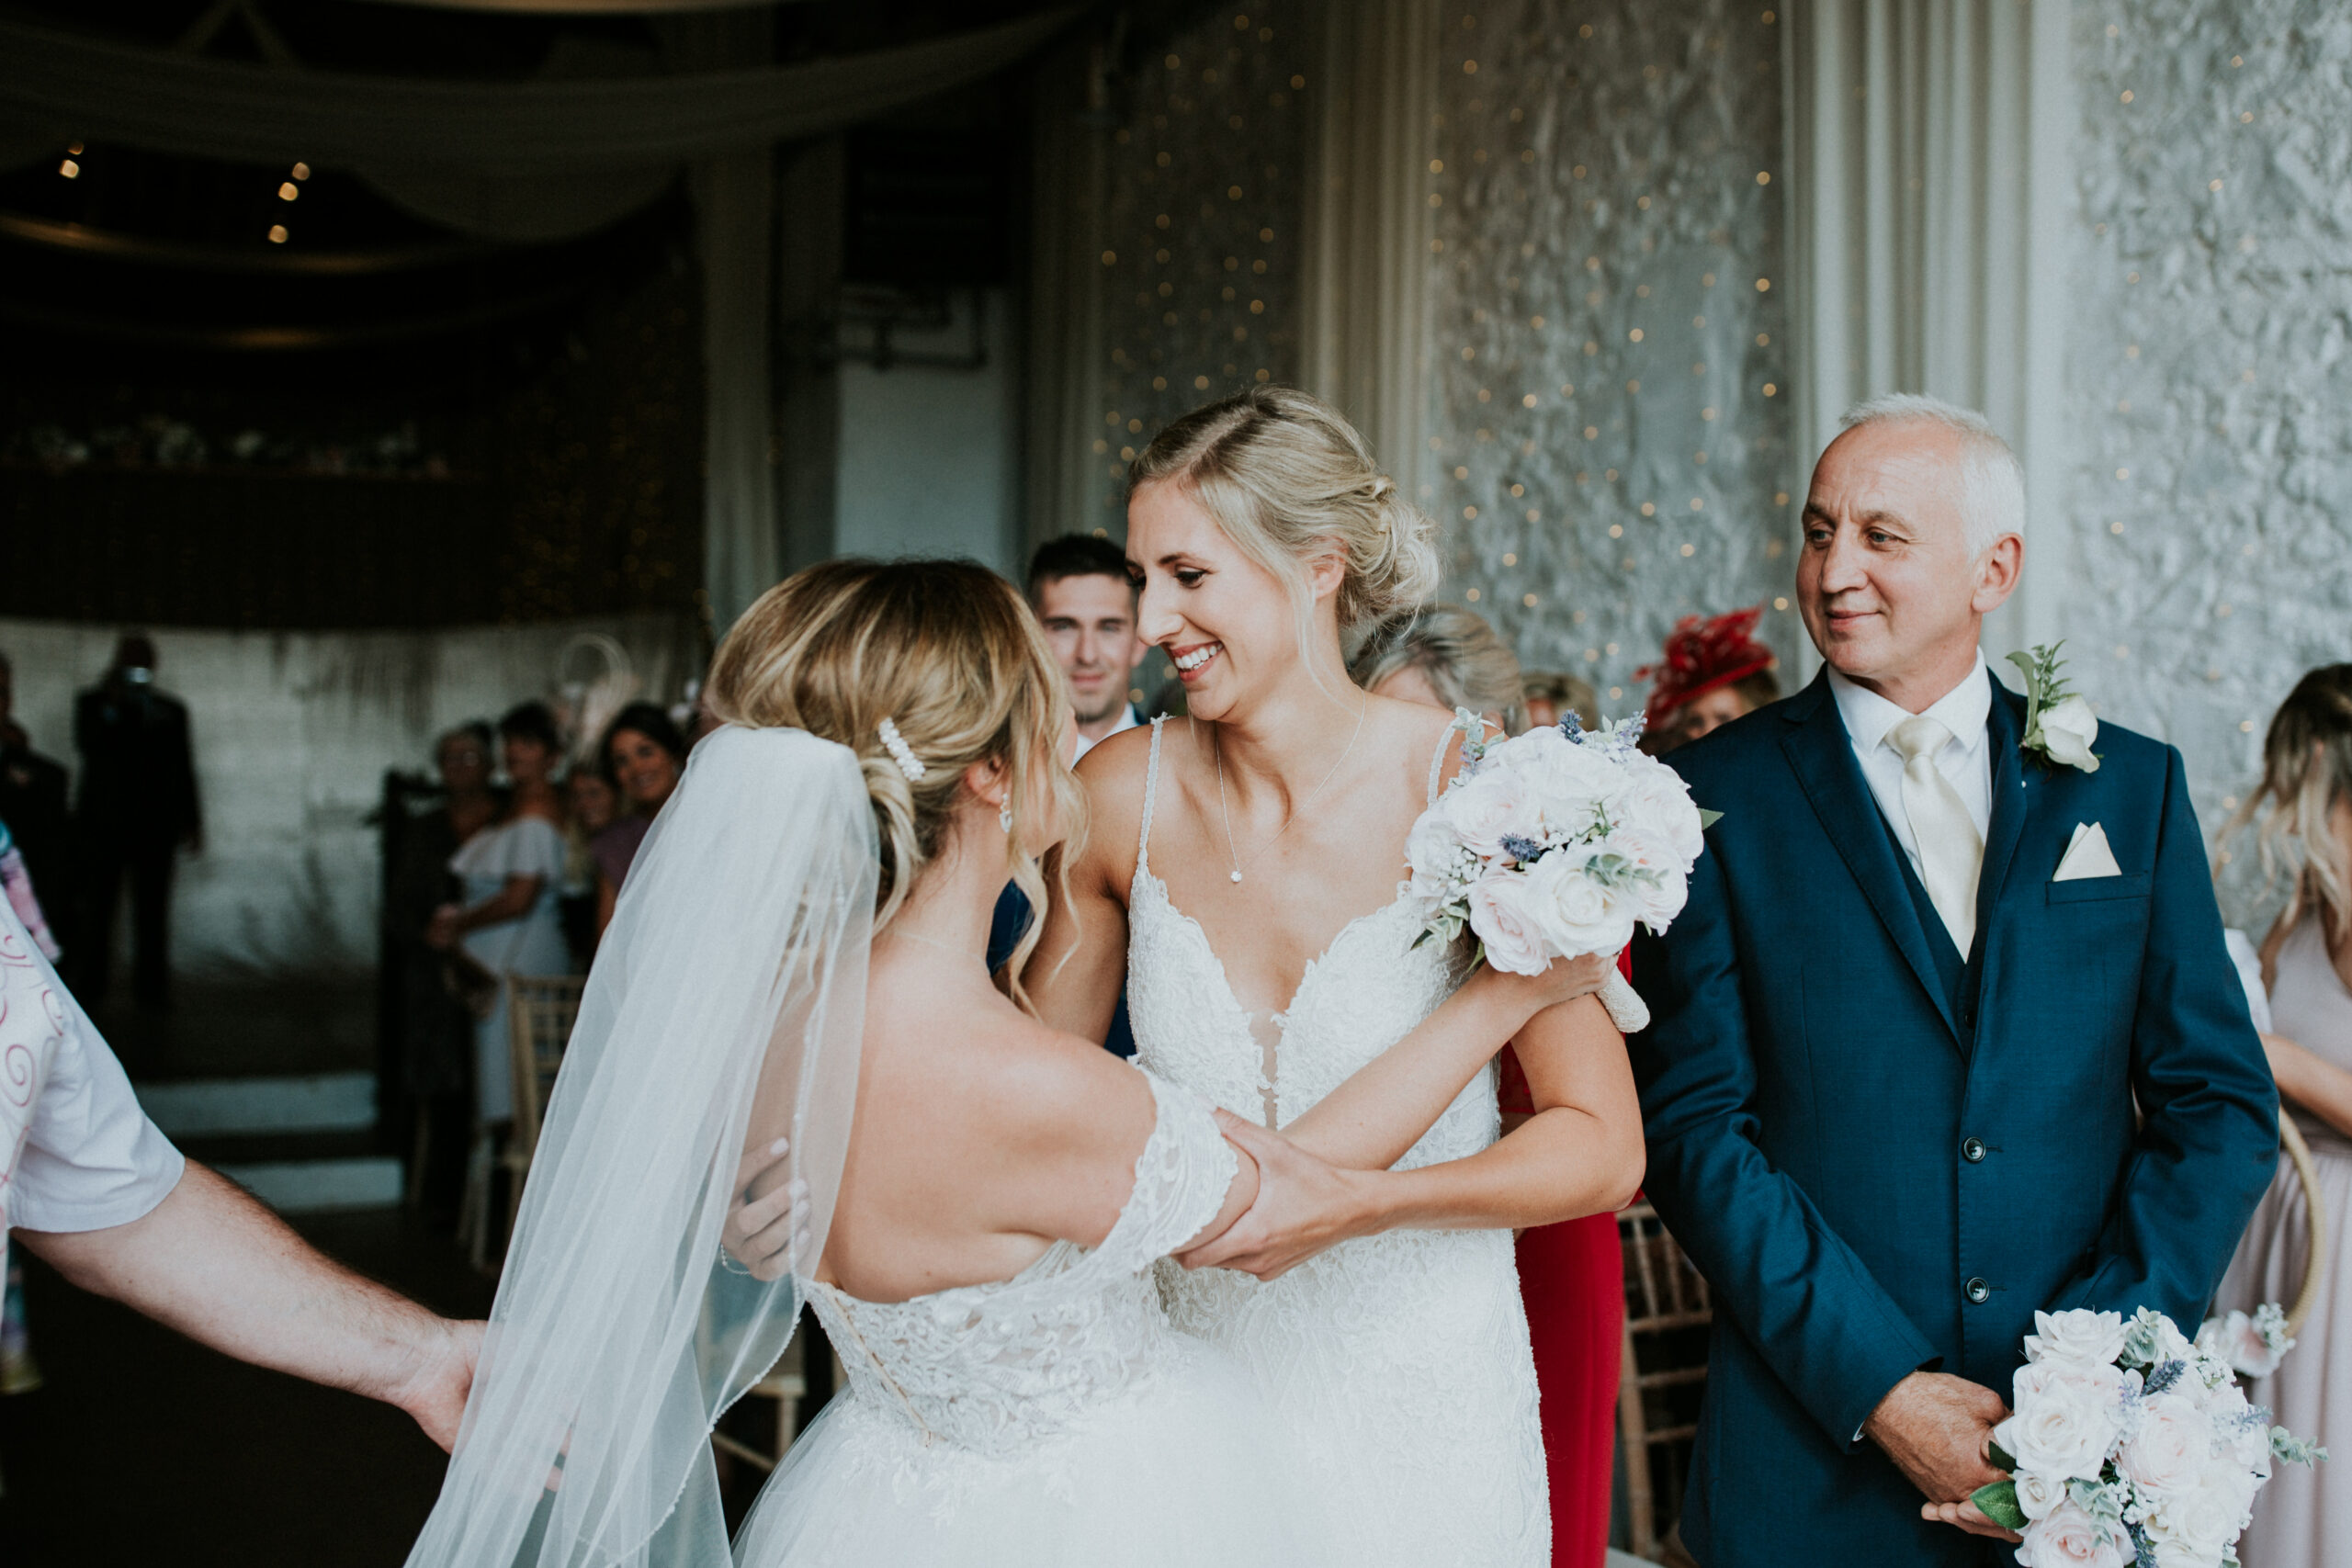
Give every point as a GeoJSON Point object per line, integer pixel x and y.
{"type": "Point", "coordinates": [1947, 1034]}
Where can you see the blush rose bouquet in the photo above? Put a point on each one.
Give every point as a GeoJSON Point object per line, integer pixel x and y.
{"type": "Point", "coordinates": [2132, 1444]}
{"type": "Point", "coordinates": [1556, 844]}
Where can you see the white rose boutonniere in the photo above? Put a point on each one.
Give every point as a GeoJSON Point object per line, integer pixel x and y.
{"type": "Point", "coordinates": [2058, 724]}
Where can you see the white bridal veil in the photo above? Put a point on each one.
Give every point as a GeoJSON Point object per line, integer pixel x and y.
{"type": "Point", "coordinates": [723, 1014]}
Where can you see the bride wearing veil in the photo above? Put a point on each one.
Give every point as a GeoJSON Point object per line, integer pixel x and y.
{"type": "Point", "coordinates": [793, 1082]}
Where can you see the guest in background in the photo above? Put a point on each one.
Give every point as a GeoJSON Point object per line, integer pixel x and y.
{"type": "Point", "coordinates": [33, 802]}
{"type": "Point", "coordinates": [2305, 811]}
{"type": "Point", "coordinates": [1713, 671]}
{"type": "Point", "coordinates": [1549, 696]}
{"type": "Point", "coordinates": [432, 1041]}
{"type": "Point", "coordinates": [644, 756]}
{"type": "Point", "coordinates": [1084, 596]}
{"type": "Point", "coordinates": [137, 808]}
{"type": "Point", "coordinates": [1080, 587]}
{"type": "Point", "coordinates": [591, 805]}
{"type": "Point", "coordinates": [1571, 1276]}
{"type": "Point", "coordinates": [1447, 657]}
{"type": "Point", "coordinates": [507, 923]}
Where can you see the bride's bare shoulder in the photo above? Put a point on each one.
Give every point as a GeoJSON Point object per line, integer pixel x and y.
{"type": "Point", "coordinates": [1113, 775]}
{"type": "Point", "coordinates": [1036, 1084]}
{"type": "Point", "coordinates": [1413, 735]}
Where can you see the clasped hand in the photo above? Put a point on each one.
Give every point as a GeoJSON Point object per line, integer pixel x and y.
{"type": "Point", "coordinates": [1938, 1429]}
{"type": "Point", "coordinates": [1304, 1205]}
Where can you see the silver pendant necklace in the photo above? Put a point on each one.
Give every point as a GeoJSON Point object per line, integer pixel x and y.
{"type": "Point", "coordinates": [1217, 743]}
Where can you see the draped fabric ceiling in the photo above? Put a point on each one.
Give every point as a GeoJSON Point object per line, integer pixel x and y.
{"type": "Point", "coordinates": [561, 155]}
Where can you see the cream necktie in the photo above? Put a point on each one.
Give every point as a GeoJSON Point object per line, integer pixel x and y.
{"type": "Point", "coordinates": [1952, 852]}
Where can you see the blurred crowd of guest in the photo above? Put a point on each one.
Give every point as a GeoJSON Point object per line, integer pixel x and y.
{"type": "Point", "coordinates": [509, 866]}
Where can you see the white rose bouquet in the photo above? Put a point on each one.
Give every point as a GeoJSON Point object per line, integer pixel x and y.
{"type": "Point", "coordinates": [2130, 1444]}
{"type": "Point", "coordinates": [1555, 844]}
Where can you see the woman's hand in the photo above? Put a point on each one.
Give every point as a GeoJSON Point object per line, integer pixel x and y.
{"type": "Point", "coordinates": [445, 927]}
{"type": "Point", "coordinates": [1304, 1206]}
{"type": "Point", "coordinates": [1564, 979]}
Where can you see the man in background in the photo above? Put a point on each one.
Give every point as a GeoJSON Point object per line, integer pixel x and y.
{"type": "Point", "coordinates": [1079, 587]}
{"type": "Point", "coordinates": [32, 805]}
{"type": "Point", "coordinates": [136, 808]}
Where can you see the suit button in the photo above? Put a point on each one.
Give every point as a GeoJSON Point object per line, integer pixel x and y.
{"type": "Point", "coordinates": [1977, 1292]}
{"type": "Point", "coordinates": [1973, 1150]}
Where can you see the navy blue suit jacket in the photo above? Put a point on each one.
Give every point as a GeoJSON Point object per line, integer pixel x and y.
{"type": "Point", "coordinates": [1884, 1160]}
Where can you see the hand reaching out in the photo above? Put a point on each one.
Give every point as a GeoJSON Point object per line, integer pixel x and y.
{"type": "Point", "coordinates": [435, 1394]}
{"type": "Point", "coordinates": [1304, 1206]}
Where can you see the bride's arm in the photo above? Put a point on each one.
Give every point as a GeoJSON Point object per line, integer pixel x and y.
{"type": "Point", "coordinates": [1080, 962]}
{"type": "Point", "coordinates": [1580, 1154]}
{"type": "Point", "coordinates": [1388, 1104]}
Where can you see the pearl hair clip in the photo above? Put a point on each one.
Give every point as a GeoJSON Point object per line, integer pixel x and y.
{"type": "Point", "coordinates": [900, 752]}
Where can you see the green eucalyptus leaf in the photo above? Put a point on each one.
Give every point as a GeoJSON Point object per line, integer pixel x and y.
{"type": "Point", "coordinates": [1998, 1503]}
{"type": "Point", "coordinates": [2000, 1457]}
{"type": "Point", "coordinates": [1708, 818]}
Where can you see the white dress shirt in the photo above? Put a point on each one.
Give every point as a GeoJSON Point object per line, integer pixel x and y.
{"type": "Point", "coordinates": [1127, 720]}
{"type": "Point", "coordinates": [1966, 761]}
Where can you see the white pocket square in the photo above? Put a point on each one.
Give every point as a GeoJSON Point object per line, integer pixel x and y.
{"type": "Point", "coordinates": [2087, 855]}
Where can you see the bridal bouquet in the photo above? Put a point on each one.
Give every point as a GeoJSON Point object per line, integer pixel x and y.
{"type": "Point", "coordinates": [1555, 844]}
{"type": "Point", "coordinates": [2130, 1444]}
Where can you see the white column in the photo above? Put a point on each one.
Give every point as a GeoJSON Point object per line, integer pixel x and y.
{"type": "Point", "coordinates": [1364, 334]}
{"type": "Point", "coordinates": [1928, 169]}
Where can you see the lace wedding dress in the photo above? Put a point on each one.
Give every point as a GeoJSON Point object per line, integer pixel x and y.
{"type": "Point", "coordinates": [1054, 1419]}
{"type": "Point", "coordinates": [1399, 1363]}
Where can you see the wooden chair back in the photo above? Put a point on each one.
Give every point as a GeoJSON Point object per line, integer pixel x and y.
{"type": "Point", "coordinates": [540, 1010]}
{"type": "Point", "coordinates": [1664, 1362]}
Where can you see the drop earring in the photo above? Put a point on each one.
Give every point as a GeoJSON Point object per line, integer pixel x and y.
{"type": "Point", "coordinates": [1005, 817]}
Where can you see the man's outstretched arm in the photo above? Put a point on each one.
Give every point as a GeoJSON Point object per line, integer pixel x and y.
{"type": "Point", "coordinates": [216, 1265]}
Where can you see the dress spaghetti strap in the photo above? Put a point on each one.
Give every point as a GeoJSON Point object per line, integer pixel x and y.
{"type": "Point", "coordinates": [1150, 794]}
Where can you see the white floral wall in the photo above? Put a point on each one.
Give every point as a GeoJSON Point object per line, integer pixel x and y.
{"type": "Point", "coordinates": [2212, 499]}
{"type": "Point", "coordinates": [1611, 436]}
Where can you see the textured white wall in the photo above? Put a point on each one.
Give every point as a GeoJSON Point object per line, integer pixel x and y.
{"type": "Point", "coordinates": [1202, 233]}
{"type": "Point", "coordinates": [1612, 440]}
{"type": "Point", "coordinates": [2212, 499]}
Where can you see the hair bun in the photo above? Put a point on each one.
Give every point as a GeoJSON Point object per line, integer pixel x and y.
{"type": "Point", "coordinates": [1383, 487]}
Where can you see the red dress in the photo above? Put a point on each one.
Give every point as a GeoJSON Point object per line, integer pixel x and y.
{"type": "Point", "coordinates": [1571, 1278]}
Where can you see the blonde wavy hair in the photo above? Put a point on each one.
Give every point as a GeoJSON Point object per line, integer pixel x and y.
{"type": "Point", "coordinates": [1288, 478]}
{"type": "Point", "coordinates": [2306, 769]}
{"type": "Point", "coordinates": [949, 652]}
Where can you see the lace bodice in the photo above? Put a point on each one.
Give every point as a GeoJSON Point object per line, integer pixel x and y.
{"type": "Point", "coordinates": [1399, 1363]}
{"type": "Point", "coordinates": [994, 1366]}
{"type": "Point", "coordinates": [1366, 991]}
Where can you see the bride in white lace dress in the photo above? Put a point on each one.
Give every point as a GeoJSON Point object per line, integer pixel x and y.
{"type": "Point", "coordinates": [793, 1078]}
{"type": "Point", "coordinates": [1250, 857]}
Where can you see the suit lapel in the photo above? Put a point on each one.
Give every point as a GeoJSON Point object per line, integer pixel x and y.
{"type": "Point", "coordinates": [2004, 728]}
{"type": "Point", "coordinates": [1823, 757]}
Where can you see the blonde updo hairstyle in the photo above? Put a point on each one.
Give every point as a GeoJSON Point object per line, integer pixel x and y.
{"type": "Point", "coordinates": [949, 652]}
{"type": "Point", "coordinates": [1287, 478]}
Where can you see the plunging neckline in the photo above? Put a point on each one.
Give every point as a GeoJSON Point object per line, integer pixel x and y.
{"type": "Point", "coordinates": [1306, 976]}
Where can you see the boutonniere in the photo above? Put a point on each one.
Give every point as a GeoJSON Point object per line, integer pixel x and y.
{"type": "Point", "coordinates": [2058, 724]}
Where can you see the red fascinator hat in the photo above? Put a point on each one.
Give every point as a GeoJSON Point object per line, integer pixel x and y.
{"type": "Point", "coordinates": [1703, 653]}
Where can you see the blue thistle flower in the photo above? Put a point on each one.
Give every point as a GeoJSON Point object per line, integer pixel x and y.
{"type": "Point", "coordinates": [1524, 851]}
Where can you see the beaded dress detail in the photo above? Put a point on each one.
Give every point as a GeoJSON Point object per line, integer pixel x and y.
{"type": "Point", "coordinates": [1399, 1363]}
{"type": "Point", "coordinates": [1051, 1418]}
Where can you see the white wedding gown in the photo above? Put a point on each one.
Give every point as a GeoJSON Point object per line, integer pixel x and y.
{"type": "Point", "coordinates": [1399, 1363]}
{"type": "Point", "coordinates": [1052, 1420]}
